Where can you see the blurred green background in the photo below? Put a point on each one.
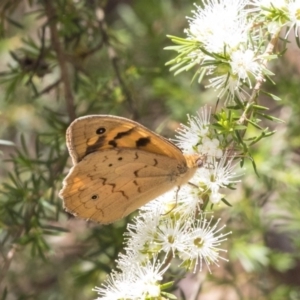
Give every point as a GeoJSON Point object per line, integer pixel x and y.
{"type": "Point", "coordinates": [114, 63]}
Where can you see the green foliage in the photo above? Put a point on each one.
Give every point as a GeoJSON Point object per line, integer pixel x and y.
{"type": "Point", "coordinates": [107, 57]}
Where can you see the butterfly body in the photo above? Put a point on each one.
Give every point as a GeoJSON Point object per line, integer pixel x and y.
{"type": "Point", "coordinates": [119, 165]}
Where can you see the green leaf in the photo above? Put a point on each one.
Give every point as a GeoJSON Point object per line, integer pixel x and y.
{"type": "Point", "coordinates": [169, 296]}
{"type": "Point", "coordinates": [226, 202]}
{"type": "Point", "coordinates": [274, 97]}
{"type": "Point", "coordinates": [270, 118]}
{"type": "Point", "coordinates": [259, 107]}
{"type": "Point", "coordinates": [4, 294]}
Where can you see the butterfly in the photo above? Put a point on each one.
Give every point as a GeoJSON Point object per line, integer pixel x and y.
{"type": "Point", "coordinates": [119, 165]}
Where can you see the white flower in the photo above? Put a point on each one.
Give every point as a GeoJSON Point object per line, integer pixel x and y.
{"type": "Point", "coordinates": [116, 287]}
{"type": "Point", "coordinates": [219, 42]}
{"type": "Point", "coordinates": [152, 229]}
{"type": "Point", "coordinates": [183, 202]}
{"type": "Point", "coordinates": [171, 235]}
{"type": "Point", "coordinates": [146, 278]}
{"type": "Point", "coordinates": [161, 205]}
{"type": "Point", "coordinates": [294, 15]}
{"type": "Point", "coordinates": [216, 197]}
{"type": "Point", "coordinates": [219, 24]}
{"type": "Point", "coordinates": [217, 175]}
{"type": "Point", "coordinates": [244, 63]}
{"type": "Point", "coordinates": [189, 137]}
{"type": "Point", "coordinates": [141, 233]}
{"type": "Point", "coordinates": [188, 201]}
{"type": "Point", "coordinates": [211, 147]}
{"type": "Point", "coordinates": [229, 85]}
{"type": "Point", "coordinates": [137, 282]}
{"type": "Point", "coordinates": [202, 243]}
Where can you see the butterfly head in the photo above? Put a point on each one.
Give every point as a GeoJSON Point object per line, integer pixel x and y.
{"type": "Point", "coordinates": [195, 160]}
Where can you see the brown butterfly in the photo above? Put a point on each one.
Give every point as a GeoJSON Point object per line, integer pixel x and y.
{"type": "Point", "coordinates": [119, 165]}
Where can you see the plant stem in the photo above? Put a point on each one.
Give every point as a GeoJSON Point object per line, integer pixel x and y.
{"type": "Point", "coordinates": [269, 50]}
{"type": "Point", "coordinates": [50, 12]}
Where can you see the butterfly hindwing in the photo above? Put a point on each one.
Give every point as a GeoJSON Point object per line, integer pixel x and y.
{"type": "Point", "coordinates": [109, 184]}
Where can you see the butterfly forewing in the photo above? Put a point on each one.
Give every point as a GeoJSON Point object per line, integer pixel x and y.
{"type": "Point", "coordinates": [99, 132]}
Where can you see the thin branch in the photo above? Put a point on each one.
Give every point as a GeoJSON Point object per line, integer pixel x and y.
{"type": "Point", "coordinates": [112, 54]}
{"type": "Point", "coordinates": [50, 12]}
{"type": "Point", "coordinates": [9, 257]}
{"type": "Point", "coordinates": [49, 88]}
{"type": "Point", "coordinates": [37, 62]}
{"type": "Point", "coordinates": [260, 80]}
{"type": "Point", "coordinates": [114, 60]}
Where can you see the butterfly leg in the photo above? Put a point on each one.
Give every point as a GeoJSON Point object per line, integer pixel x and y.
{"type": "Point", "coordinates": [176, 197]}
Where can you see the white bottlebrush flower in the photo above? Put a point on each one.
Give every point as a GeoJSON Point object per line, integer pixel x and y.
{"type": "Point", "coordinates": [189, 239]}
{"type": "Point", "coordinates": [137, 282]}
{"type": "Point", "coordinates": [243, 64]}
{"type": "Point", "coordinates": [211, 147]}
{"type": "Point", "coordinates": [141, 233]}
{"type": "Point", "coordinates": [202, 244]}
{"type": "Point", "coordinates": [219, 175]}
{"type": "Point", "coordinates": [216, 197]}
{"type": "Point", "coordinates": [171, 235]}
{"type": "Point", "coordinates": [162, 204]}
{"type": "Point", "coordinates": [147, 277]}
{"type": "Point", "coordinates": [147, 233]}
{"type": "Point", "coordinates": [219, 24]}
{"type": "Point", "coordinates": [116, 287]}
{"type": "Point", "coordinates": [229, 85]}
{"type": "Point", "coordinates": [217, 32]}
{"type": "Point", "coordinates": [131, 257]}
{"type": "Point", "coordinates": [188, 201]}
{"type": "Point", "coordinates": [189, 136]}
{"type": "Point", "coordinates": [197, 138]}
{"type": "Point", "coordinates": [181, 202]}
{"type": "Point", "coordinates": [294, 15]}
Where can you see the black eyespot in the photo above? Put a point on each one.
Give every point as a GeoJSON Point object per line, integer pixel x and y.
{"type": "Point", "coordinates": [110, 165]}
{"type": "Point", "coordinates": [120, 158]}
{"type": "Point", "coordinates": [142, 142]}
{"type": "Point", "coordinates": [94, 197]}
{"type": "Point", "coordinates": [100, 130]}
